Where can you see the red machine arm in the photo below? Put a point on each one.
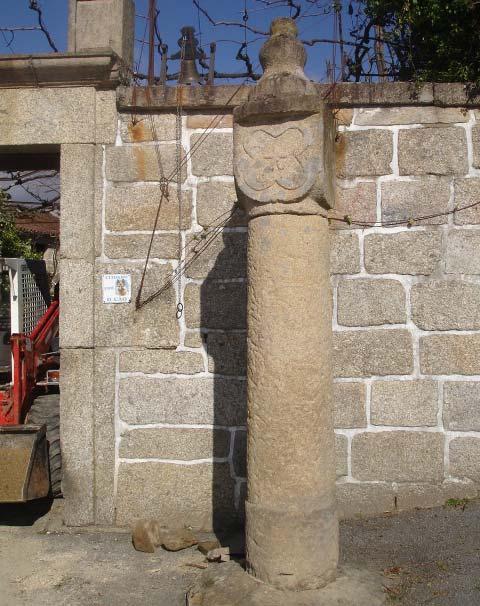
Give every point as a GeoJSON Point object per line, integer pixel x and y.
{"type": "Point", "coordinates": [29, 366]}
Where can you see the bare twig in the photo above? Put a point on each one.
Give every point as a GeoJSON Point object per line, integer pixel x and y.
{"type": "Point", "coordinates": [35, 6]}
{"type": "Point", "coordinates": [228, 23]}
{"type": "Point", "coordinates": [50, 202]}
{"type": "Point", "coordinates": [294, 6]}
{"type": "Point", "coordinates": [25, 180]}
{"type": "Point", "coordinates": [314, 41]}
{"type": "Point", "coordinates": [242, 55]}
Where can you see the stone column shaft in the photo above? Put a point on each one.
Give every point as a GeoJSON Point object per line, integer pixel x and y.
{"type": "Point", "coordinates": [283, 161]}
{"type": "Point", "coordinates": [291, 528]}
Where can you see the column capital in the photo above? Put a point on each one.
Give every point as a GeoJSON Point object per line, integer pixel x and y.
{"type": "Point", "coordinates": [284, 135]}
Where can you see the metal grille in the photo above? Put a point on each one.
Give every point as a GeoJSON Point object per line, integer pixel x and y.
{"type": "Point", "coordinates": [27, 303]}
{"type": "Point", "coordinates": [33, 303]}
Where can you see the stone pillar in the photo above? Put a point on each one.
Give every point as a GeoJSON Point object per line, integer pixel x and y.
{"type": "Point", "coordinates": [283, 162]}
{"type": "Point", "coordinates": [101, 24]}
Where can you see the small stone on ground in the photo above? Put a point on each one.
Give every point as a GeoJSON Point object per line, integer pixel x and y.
{"type": "Point", "coordinates": [176, 540]}
{"type": "Point", "coordinates": [206, 546]}
{"type": "Point", "coordinates": [149, 534]}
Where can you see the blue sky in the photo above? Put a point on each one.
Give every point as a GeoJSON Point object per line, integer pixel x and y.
{"type": "Point", "coordinates": [172, 16]}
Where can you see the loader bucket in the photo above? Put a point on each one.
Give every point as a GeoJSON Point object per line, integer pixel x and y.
{"type": "Point", "coordinates": [24, 471]}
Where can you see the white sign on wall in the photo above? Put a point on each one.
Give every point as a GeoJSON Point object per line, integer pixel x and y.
{"type": "Point", "coordinates": [117, 288]}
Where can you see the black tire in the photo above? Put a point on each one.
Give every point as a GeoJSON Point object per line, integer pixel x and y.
{"type": "Point", "coordinates": [45, 410]}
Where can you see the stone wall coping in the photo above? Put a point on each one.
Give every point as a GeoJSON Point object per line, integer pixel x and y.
{"type": "Point", "coordinates": [225, 96]}
{"type": "Point", "coordinates": [345, 94]}
{"type": "Point", "coordinates": [100, 68]}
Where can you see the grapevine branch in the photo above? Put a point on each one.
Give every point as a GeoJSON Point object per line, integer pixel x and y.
{"type": "Point", "coordinates": [35, 6]}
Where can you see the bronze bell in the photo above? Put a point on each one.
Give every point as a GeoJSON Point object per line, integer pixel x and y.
{"type": "Point", "coordinates": [188, 67]}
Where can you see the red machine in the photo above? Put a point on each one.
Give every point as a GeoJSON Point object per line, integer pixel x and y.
{"type": "Point", "coordinates": [30, 462]}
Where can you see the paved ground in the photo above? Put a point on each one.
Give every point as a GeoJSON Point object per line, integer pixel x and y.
{"type": "Point", "coordinates": [433, 557]}
{"type": "Point", "coordinates": [44, 565]}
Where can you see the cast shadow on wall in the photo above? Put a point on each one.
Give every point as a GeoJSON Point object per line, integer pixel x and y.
{"type": "Point", "coordinates": [223, 300]}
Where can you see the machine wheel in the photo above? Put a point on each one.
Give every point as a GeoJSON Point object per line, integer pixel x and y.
{"type": "Point", "coordinates": [45, 410]}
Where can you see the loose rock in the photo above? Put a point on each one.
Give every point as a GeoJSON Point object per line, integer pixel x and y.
{"type": "Point", "coordinates": [206, 546]}
{"type": "Point", "coordinates": [147, 535]}
{"type": "Point", "coordinates": [221, 554]}
{"type": "Point", "coordinates": [175, 540]}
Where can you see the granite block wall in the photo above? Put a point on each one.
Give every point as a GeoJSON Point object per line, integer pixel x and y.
{"type": "Point", "coordinates": [406, 304]}
{"type": "Point", "coordinates": [153, 405]}
{"type": "Point", "coordinates": [179, 389]}
{"type": "Point", "coordinates": [405, 315]}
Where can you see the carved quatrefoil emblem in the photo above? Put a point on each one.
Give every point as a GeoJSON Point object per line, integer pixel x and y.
{"type": "Point", "coordinates": [277, 159]}
{"type": "Point", "coordinates": [276, 162]}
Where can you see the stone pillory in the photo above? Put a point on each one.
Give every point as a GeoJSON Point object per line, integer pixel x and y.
{"type": "Point", "coordinates": [406, 356]}
{"type": "Point", "coordinates": [283, 148]}
{"type": "Point", "coordinates": [283, 158]}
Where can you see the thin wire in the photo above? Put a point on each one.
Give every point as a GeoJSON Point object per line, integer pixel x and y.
{"type": "Point", "coordinates": [147, 19]}
{"type": "Point", "coordinates": [206, 229]}
{"type": "Point", "coordinates": [210, 128]}
{"type": "Point", "coordinates": [164, 182]}
{"type": "Point", "coordinates": [213, 124]}
{"type": "Point", "coordinates": [178, 157]}
{"type": "Point", "coordinates": [334, 46]}
{"type": "Point", "coordinates": [307, 13]}
{"type": "Point", "coordinates": [410, 222]}
{"type": "Point", "coordinates": [208, 240]}
{"type": "Point", "coordinates": [187, 263]}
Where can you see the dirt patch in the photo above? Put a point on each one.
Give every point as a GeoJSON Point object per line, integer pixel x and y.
{"type": "Point", "coordinates": [426, 557]}
{"type": "Point", "coordinates": [432, 556]}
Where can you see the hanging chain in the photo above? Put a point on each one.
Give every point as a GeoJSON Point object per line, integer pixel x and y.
{"type": "Point", "coordinates": [178, 135]}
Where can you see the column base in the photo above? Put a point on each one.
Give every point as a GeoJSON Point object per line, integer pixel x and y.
{"type": "Point", "coordinates": [293, 547]}
{"type": "Point", "coordinates": [229, 585]}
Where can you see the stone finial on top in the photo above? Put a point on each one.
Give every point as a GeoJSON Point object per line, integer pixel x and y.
{"type": "Point", "coordinates": [285, 26]}
{"type": "Point", "coordinates": [282, 52]}
{"type": "Point", "coordinates": [283, 58]}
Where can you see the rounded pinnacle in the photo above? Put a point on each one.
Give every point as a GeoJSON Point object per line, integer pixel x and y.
{"type": "Point", "coordinates": [284, 26]}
